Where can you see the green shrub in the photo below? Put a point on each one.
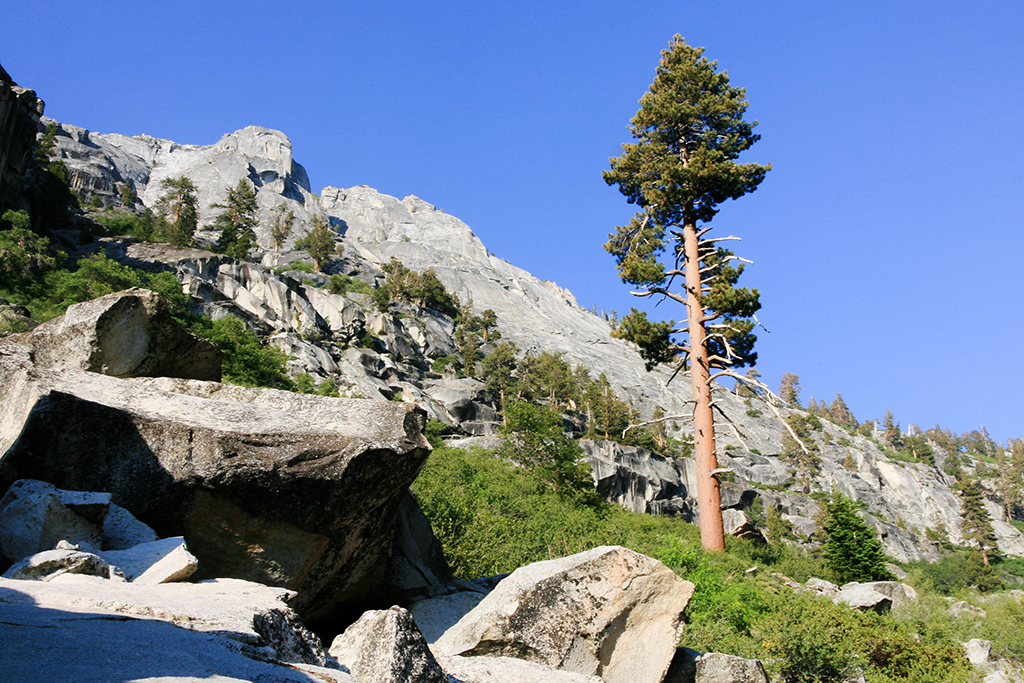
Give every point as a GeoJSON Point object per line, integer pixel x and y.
{"type": "Point", "coordinates": [247, 361]}
{"type": "Point", "coordinates": [342, 284]}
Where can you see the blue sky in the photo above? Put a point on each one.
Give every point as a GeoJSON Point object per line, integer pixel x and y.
{"type": "Point", "coordinates": [887, 239]}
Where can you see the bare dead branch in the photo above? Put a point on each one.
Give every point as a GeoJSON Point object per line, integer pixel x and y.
{"type": "Point", "coordinates": [660, 419]}
{"type": "Point", "coordinates": [772, 401]}
{"type": "Point", "coordinates": [712, 240]}
{"type": "Point", "coordinates": [735, 429]}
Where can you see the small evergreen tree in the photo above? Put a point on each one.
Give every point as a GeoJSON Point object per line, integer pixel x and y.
{"type": "Point", "coordinates": [179, 210]}
{"type": "Point", "coordinates": [319, 243]}
{"type": "Point", "coordinates": [789, 389]}
{"type": "Point", "coordinates": [892, 433]}
{"type": "Point", "coordinates": [852, 549]}
{"type": "Point", "coordinates": [127, 194]}
{"type": "Point", "coordinates": [237, 221]}
{"type": "Point", "coordinates": [976, 523]}
{"type": "Point", "coordinates": [841, 413]}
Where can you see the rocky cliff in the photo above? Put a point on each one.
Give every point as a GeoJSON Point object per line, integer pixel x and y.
{"type": "Point", "coordinates": [20, 110]}
{"type": "Point", "coordinates": [321, 330]}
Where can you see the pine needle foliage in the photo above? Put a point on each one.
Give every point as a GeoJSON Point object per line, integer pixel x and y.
{"type": "Point", "coordinates": [852, 551]}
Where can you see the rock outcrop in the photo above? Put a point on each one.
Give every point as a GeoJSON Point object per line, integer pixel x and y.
{"type": "Point", "coordinates": [285, 489]}
{"type": "Point", "coordinates": [20, 111]}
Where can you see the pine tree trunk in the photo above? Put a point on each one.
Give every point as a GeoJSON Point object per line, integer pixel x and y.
{"type": "Point", "coordinates": [709, 501]}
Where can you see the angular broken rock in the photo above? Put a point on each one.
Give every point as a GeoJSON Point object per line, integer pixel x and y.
{"type": "Point", "coordinates": [34, 517]}
{"type": "Point", "coordinates": [608, 612]}
{"type": "Point", "coordinates": [50, 563]}
{"type": "Point", "coordinates": [162, 561]}
{"type": "Point", "coordinates": [384, 646]}
{"type": "Point", "coordinates": [977, 650]}
{"type": "Point", "coordinates": [285, 489]}
{"type": "Point", "coordinates": [125, 334]}
{"type": "Point", "coordinates": [737, 523]}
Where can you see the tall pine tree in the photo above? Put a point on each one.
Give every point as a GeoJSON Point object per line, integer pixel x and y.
{"type": "Point", "coordinates": [689, 133]}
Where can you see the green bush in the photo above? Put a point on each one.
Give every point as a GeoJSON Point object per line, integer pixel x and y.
{"type": "Point", "coordinates": [342, 284]}
{"type": "Point", "coordinates": [247, 361]}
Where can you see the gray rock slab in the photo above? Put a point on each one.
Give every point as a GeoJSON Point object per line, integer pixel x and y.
{"type": "Point", "coordinates": [255, 616]}
{"type": "Point", "coordinates": [122, 531]}
{"type": "Point", "coordinates": [93, 647]}
{"type": "Point", "coordinates": [715, 667]}
{"type": "Point", "coordinates": [608, 612]}
{"type": "Point", "coordinates": [417, 566]}
{"type": "Point", "coordinates": [898, 592]}
{"type": "Point", "coordinates": [162, 561]}
{"type": "Point", "coordinates": [436, 615]}
{"type": "Point", "coordinates": [507, 670]}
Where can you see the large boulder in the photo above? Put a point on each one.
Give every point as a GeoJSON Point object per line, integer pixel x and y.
{"type": "Point", "coordinates": [125, 334]}
{"type": "Point", "coordinates": [608, 612]}
{"type": "Point", "coordinates": [384, 646]}
{"type": "Point", "coordinates": [290, 490]}
{"type": "Point", "coordinates": [863, 597]}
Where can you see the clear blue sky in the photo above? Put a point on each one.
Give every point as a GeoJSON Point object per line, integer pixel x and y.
{"type": "Point", "coordinates": [888, 238]}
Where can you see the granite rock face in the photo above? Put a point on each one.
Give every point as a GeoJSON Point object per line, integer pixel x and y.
{"type": "Point", "coordinates": [20, 111]}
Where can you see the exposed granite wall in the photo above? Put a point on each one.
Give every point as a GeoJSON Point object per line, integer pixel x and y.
{"type": "Point", "coordinates": [20, 110]}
